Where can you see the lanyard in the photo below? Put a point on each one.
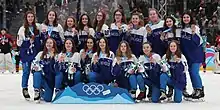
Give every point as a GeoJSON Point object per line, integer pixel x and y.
{"type": "Point", "coordinates": [50, 29]}
{"type": "Point", "coordinates": [101, 55]}
{"type": "Point", "coordinates": [31, 30]}
{"type": "Point", "coordinates": [124, 58]}
{"type": "Point", "coordinates": [88, 52]}
{"type": "Point", "coordinates": [68, 54]}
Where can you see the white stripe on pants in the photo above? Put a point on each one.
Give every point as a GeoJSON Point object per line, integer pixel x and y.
{"type": "Point", "coordinates": [6, 60]}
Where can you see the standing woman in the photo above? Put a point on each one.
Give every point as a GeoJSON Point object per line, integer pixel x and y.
{"type": "Point", "coordinates": [191, 46]}
{"type": "Point", "coordinates": [68, 65]}
{"type": "Point", "coordinates": [154, 28]}
{"type": "Point", "coordinates": [169, 34]}
{"type": "Point", "coordinates": [51, 29]}
{"type": "Point", "coordinates": [169, 31]}
{"type": "Point", "coordinates": [70, 29]}
{"type": "Point", "coordinates": [124, 58]}
{"type": "Point", "coordinates": [118, 30]}
{"type": "Point", "coordinates": [102, 63]}
{"type": "Point", "coordinates": [29, 42]}
{"type": "Point", "coordinates": [137, 34]}
{"type": "Point", "coordinates": [85, 30]}
{"type": "Point", "coordinates": [43, 71]}
{"type": "Point", "coordinates": [101, 29]}
{"type": "Point", "coordinates": [86, 57]}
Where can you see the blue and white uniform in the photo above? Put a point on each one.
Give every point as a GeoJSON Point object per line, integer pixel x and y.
{"type": "Point", "coordinates": [158, 46]}
{"type": "Point", "coordinates": [83, 35]}
{"type": "Point", "coordinates": [151, 77]}
{"type": "Point", "coordinates": [176, 78]}
{"type": "Point", "coordinates": [102, 70]}
{"type": "Point", "coordinates": [69, 34]}
{"type": "Point", "coordinates": [56, 33]}
{"type": "Point", "coordinates": [136, 39]}
{"type": "Point", "coordinates": [103, 32]}
{"type": "Point", "coordinates": [28, 50]}
{"type": "Point", "coordinates": [120, 71]}
{"type": "Point", "coordinates": [117, 34]}
{"type": "Point", "coordinates": [191, 46]}
{"type": "Point", "coordinates": [65, 76]}
{"type": "Point", "coordinates": [44, 75]}
{"type": "Point", "coordinates": [86, 63]}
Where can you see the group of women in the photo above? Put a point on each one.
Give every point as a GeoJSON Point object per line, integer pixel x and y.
{"type": "Point", "coordinates": [81, 52]}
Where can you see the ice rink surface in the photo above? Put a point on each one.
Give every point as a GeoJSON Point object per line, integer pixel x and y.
{"type": "Point", "coordinates": [12, 99]}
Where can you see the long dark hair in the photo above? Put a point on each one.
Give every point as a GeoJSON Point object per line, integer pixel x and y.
{"type": "Point", "coordinates": [94, 44]}
{"type": "Point", "coordinates": [73, 44]}
{"type": "Point", "coordinates": [173, 27]}
{"type": "Point", "coordinates": [99, 25]}
{"type": "Point", "coordinates": [191, 19]}
{"type": "Point", "coordinates": [81, 25]}
{"type": "Point", "coordinates": [55, 23]}
{"type": "Point", "coordinates": [178, 52]}
{"type": "Point", "coordinates": [107, 50]}
{"type": "Point", "coordinates": [26, 24]}
{"type": "Point", "coordinates": [123, 20]}
{"type": "Point", "coordinates": [128, 51]}
{"type": "Point", "coordinates": [45, 48]}
{"type": "Point", "coordinates": [74, 25]}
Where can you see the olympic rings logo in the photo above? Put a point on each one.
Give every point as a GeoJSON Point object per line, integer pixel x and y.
{"type": "Point", "coordinates": [93, 89]}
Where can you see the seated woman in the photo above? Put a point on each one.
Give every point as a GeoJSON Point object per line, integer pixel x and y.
{"type": "Point", "coordinates": [86, 57]}
{"type": "Point", "coordinates": [102, 63]}
{"type": "Point", "coordinates": [151, 75]}
{"type": "Point", "coordinates": [68, 65]}
{"type": "Point", "coordinates": [43, 71]}
{"type": "Point", "coordinates": [176, 77]}
{"type": "Point", "coordinates": [124, 58]}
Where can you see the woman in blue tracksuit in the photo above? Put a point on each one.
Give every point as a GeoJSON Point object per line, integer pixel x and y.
{"type": "Point", "coordinates": [51, 29]}
{"type": "Point", "coordinates": [124, 58]}
{"type": "Point", "coordinates": [102, 63]}
{"type": "Point", "coordinates": [137, 34]}
{"type": "Point", "coordinates": [85, 30]}
{"type": "Point", "coordinates": [151, 76]}
{"type": "Point", "coordinates": [70, 29]}
{"type": "Point", "coordinates": [101, 29]}
{"type": "Point", "coordinates": [176, 77]}
{"type": "Point", "coordinates": [44, 72]}
{"type": "Point", "coordinates": [169, 31]}
{"type": "Point", "coordinates": [68, 65]}
{"type": "Point", "coordinates": [118, 30]}
{"type": "Point", "coordinates": [192, 48]}
{"type": "Point", "coordinates": [29, 42]}
{"type": "Point", "coordinates": [154, 28]}
{"type": "Point", "coordinates": [86, 57]}
{"type": "Point", "coordinates": [169, 34]}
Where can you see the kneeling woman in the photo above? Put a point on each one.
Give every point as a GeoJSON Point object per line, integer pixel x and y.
{"type": "Point", "coordinates": [102, 63]}
{"type": "Point", "coordinates": [124, 58]}
{"type": "Point", "coordinates": [176, 77]}
{"type": "Point", "coordinates": [43, 71]}
{"type": "Point", "coordinates": [68, 65]}
{"type": "Point", "coordinates": [151, 75]}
